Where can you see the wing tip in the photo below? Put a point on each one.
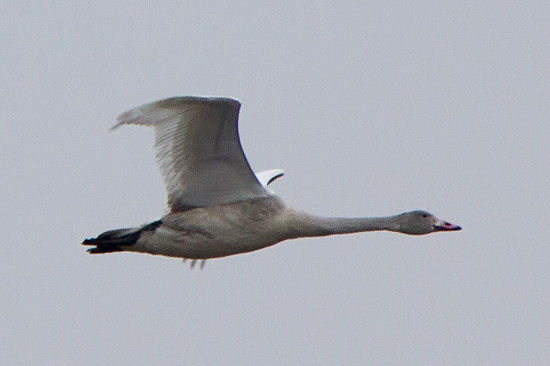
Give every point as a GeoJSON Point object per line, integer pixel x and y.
{"type": "Point", "coordinates": [135, 116]}
{"type": "Point", "coordinates": [138, 115]}
{"type": "Point", "coordinates": [267, 177]}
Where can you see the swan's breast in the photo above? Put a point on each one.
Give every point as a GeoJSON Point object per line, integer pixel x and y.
{"type": "Point", "coordinates": [223, 230]}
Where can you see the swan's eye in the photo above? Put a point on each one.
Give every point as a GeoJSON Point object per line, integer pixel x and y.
{"type": "Point", "coordinates": [424, 215]}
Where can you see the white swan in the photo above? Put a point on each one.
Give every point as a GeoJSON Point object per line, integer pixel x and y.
{"type": "Point", "coordinates": [218, 207]}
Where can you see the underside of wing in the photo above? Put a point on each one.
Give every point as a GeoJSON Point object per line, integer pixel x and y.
{"type": "Point", "coordinates": [198, 150]}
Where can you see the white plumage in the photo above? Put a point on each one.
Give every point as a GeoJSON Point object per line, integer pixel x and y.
{"type": "Point", "coordinates": [218, 206]}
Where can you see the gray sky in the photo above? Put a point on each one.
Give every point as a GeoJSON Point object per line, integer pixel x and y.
{"type": "Point", "coordinates": [371, 109]}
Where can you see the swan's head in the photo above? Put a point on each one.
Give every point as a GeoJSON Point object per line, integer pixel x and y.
{"type": "Point", "coordinates": [421, 223]}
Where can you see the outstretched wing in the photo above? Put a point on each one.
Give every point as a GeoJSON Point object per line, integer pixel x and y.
{"type": "Point", "coordinates": [198, 150]}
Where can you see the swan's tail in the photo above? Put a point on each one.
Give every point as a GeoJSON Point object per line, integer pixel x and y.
{"type": "Point", "coordinates": [112, 240]}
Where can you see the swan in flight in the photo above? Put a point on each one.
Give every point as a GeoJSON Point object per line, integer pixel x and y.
{"type": "Point", "coordinates": [218, 206]}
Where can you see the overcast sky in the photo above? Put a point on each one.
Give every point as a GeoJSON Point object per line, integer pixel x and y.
{"type": "Point", "coordinates": [372, 108]}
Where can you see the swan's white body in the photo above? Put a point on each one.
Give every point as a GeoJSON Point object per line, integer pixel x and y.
{"type": "Point", "coordinates": [219, 207]}
{"type": "Point", "coordinates": [211, 232]}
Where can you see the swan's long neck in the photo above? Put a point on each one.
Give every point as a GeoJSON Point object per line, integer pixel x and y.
{"type": "Point", "coordinates": [311, 225]}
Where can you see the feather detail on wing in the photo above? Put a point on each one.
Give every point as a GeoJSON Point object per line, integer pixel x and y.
{"type": "Point", "coordinates": [198, 150]}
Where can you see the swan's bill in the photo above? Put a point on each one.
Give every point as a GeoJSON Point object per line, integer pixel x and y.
{"type": "Point", "coordinates": [442, 225]}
